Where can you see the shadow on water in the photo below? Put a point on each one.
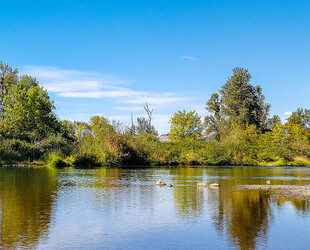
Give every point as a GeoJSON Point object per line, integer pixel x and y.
{"type": "Point", "coordinates": [26, 202]}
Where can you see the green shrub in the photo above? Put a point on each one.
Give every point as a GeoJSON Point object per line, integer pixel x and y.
{"type": "Point", "coordinates": [123, 153]}
{"type": "Point", "coordinates": [301, 161]}
{"type": "Point", "coordinates": [85, 161]}
{"type": "Point", "coordinates": [54, 160]}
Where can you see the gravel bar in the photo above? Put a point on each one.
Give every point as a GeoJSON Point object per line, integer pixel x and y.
{"type": "Point", "coordinates": [290, 191]}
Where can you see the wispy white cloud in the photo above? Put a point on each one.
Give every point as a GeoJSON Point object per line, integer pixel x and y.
{"type": "Point", "coordinates": [287, 113]}
{"type": "Point", "coordinates": [60, 80]}
{"type": "Point", "coordinates": [189, 58]}
{"type": "Point", "coordinates": [103, 94]}
{"type": "Point", "coordinates": [54, 73]}
{"type": "Point", "coordinates": [155, 100]}
{"type": "Point", "coordinates": [79, 86]}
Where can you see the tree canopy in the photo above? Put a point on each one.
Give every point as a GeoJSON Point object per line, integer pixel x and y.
{"type": "Point", "coordinates": [185, 126]}
{"type": "Point", "coordinates": [238, 104]}
{"type": "Point", "coordinates": [29, 111]}
{"type": "Point", "coordinates": [8, 78]}
{"type": "Point", "coordinates": [300, 117]}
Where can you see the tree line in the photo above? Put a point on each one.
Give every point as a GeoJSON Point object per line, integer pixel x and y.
{"type": "Point", "coordinates": [238, 130]}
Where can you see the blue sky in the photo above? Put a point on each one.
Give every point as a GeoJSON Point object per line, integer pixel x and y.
{"type": "Point", "coordinates": [109, 57]}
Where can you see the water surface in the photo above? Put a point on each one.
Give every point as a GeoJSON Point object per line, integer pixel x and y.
{"type": "Point", "coordinates": [115, 208]}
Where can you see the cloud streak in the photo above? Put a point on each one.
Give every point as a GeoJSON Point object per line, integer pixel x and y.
{"type": "Point", "coordinates": [103, 94]}
{"type": "Point", "coordinates": [189, 58]}
{"type": "Point", "coordinates": [156, 100]}
{"type": "Point", "coordinates": [60, 80]}
{"type": "Point", "coordinates": [80, 84]}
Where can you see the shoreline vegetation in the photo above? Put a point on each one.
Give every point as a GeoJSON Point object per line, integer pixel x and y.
{"type": "Point", "coordinates": [238, 130]}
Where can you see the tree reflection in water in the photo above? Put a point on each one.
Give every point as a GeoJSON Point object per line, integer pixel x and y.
{"type": "Point", "coordinates": [119, 201]}
{"type": "Point", "coordinates": [26, 200]}
{"type": "Point", "coordinates": [243, 215]}
{"type": "Point", "coordinates": [189, 203]}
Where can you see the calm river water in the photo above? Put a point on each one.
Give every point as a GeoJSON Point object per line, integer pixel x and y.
{"type": "Point", "coordinates": [113, 208]}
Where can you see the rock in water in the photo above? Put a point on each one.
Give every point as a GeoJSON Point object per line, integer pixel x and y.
{"type": "Point", "coordinates": [160, 183]}
{"type": "Point", "coordinates": [202, 184]}
{"type": "Point", "coordinates": [215, 185]}
{"type": "Point", "coordinates": [169, 185]}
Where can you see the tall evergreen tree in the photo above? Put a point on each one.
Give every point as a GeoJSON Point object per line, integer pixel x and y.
{"type": "Point", "coordinates": [239, 104]}
{"type": "Point", "coordinates": [8, 78]}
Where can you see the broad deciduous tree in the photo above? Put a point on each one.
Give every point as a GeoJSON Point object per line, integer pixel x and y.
{"type": "Point", "coordinates": [29, 111]}
{"type": "Point", "coordinates": [185, 126]}
{"type": "Point", "coordinates": [101, 127]}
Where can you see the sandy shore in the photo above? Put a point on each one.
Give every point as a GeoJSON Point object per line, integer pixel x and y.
{"type": "Point", "coordinates": [290, 191]}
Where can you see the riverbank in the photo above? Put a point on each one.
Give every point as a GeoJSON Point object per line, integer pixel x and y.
{"type": "Point", "coordinates": [301, 192]}
{"type": "Point", "coordinates": [60, 164]}
{"type": "Point", "coordinates": [91, 162]}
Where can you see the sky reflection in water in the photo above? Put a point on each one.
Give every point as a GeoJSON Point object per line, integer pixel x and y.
{"type": "Point", "coordinates": [122, 208]}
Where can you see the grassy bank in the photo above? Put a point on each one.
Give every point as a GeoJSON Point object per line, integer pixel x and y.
{"type": "Point", "coordinates": [99, 147]}
{"type": "Point", "coordinates": [147, 150]}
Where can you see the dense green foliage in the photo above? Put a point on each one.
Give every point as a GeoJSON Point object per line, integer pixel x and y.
{"type": "Point", "coordinates": [238, 105]}
{"type": "Point", "coordinates": [185, 126]}
{"type": "Point", "coordinates": [28, 111]}
{"type": "Point", "coordinates": [8, 78]}
{"type": "Point", "coordinates": [238, 130]}
{"type": "Point", "coordinates": [29, 130]}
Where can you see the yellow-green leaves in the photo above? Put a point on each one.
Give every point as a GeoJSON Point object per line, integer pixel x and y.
{"type": "Point", "coordinates": [185, 126]}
